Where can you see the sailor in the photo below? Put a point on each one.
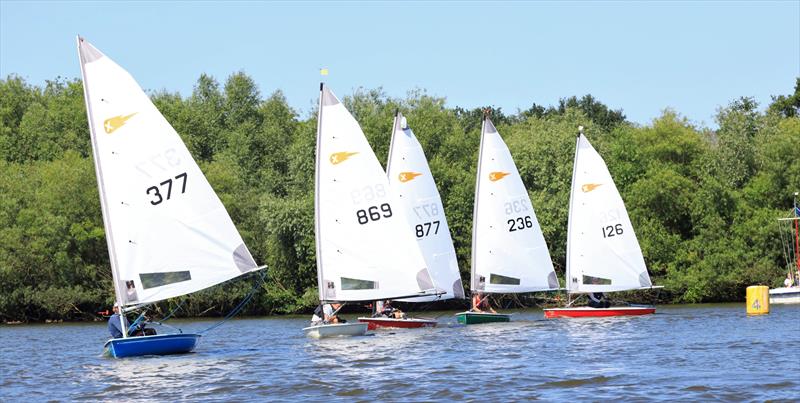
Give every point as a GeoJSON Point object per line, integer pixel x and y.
{"type": "Point", "coordinates": [388, 311]}
{"type": "Point", "coordinates": [324, 314]}
{"type": "Point", "coordinates": [598, 300]}
{"type": "Point", "coordinates": [114, 325]}
{"type": "Point", "coordinates": [480, 303]}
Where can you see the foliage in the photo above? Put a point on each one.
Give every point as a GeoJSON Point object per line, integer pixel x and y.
{"type": "Point", "coordinates": [703, 202]}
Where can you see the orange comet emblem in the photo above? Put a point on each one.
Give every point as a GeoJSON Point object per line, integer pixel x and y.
{"type": "Point", "coordinates": [496, 176]}
{"type": "Point", "coordinates": [112, 124]}
{"type": "Point", "coordinates": [338, 158]}
{"type": "Point", "coordinates": [589, 187]}
{"type": "Point", "coordinates": [407, 176]}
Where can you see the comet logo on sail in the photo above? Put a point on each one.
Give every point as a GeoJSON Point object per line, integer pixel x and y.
{"type": "Point", "coordinates": [407, 176]}
{"type": "Point", "coordinates": [589, 187]}
{"type": "Point", "coordinates": [496, 176]}
{"type": "Point", "coordinates": [112, 124]}
{"type": "Point", "coordinates": [338, 158]}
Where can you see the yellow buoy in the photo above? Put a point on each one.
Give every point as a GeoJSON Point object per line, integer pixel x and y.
{"type": "Point", "coordinates": [757, 300]}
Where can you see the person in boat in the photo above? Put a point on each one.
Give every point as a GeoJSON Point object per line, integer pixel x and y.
{"type": "Point", "coordinates": [325, 314]}
{"type": "Point", "coordinates": [386, 310]}
{"type": "Point", "coordinates": [598, 300]}
{"type": "Point", "coordinates": [115, 327]}
{"type": "Point", "coordinates": [480, 303]}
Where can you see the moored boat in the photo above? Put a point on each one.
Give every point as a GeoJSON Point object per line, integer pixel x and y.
{"type": "Point", "coordinates": [790, 240]}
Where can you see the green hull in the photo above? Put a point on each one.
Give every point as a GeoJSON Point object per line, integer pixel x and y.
{"type": "Point", "coordinates": [473, 318]}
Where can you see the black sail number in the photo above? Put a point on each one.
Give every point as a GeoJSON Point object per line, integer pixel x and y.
{"type": "Point", "coordinates": [520, 223]}
{"type": "Point", "coordinates": [156, 191]}
{"type": "Point", "coordinates": [612, 230]}
{"type": "Point", "coordinates": [374, 213]}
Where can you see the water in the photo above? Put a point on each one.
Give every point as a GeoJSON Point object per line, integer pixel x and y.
{"type": "Point", "coordinates": [698, 352]}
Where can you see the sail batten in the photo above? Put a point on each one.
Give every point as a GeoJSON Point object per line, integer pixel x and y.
{"type": "Point", "coordinates": [509, 253]}
{"type": "Point", "coordinates": [364, 249]}
{"type": "Point", "coordinates": [168, 232]}
{"type": "Point", "coordinates": [411, 178]}
{"type": "Point", "coordinates": [603, 254]}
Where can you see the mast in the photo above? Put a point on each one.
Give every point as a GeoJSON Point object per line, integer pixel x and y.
{"type": "Point", "coordinates": [316, 198]}
{"type": "Point", "coordinates": [473, 280]}
{"type": "Point", "coordinates": [101, 190]}
{"type": "Point", "coordinates": [569, 217]}
{"type": "Point", "coordinates": [796, 236]}
{"type": "Point", "coordinates": [391, 142]}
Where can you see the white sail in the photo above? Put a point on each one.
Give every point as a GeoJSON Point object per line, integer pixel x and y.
{"type": "Point", "coordinates": [168, 233]}
{"type": "Point", "coordinates": [602, 251]}
{"type": "Point", "coordinates": [411, 180]}
{"type": "Point", "coordinates": [364, 249]}
{"type": "Point", "coordinates": [509, 253]}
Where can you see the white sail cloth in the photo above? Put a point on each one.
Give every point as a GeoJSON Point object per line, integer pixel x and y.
{"type": "Point", "coordinates": [364, 249]}
{"type": "Point", "coordinates": [167, 231]}
{"type": "Point", "coordinates": [509, 253]}
{"type": "Point", "coordinates": [411, 179]}
{"type": "Point", "coordinates": [603, 253]}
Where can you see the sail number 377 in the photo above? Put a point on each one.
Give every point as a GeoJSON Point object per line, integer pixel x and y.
{"type": "Point", "coordinates": [155, 191]}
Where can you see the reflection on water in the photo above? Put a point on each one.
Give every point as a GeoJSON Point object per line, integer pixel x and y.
{"type": "Point", "coordinates": [683, 352]}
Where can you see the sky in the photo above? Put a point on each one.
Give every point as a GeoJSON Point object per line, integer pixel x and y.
{"type": "Point", "coordinates": [641, 57]}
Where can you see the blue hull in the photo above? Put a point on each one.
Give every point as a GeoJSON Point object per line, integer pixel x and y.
{"type": "Point", "coordinates": [161, 344]}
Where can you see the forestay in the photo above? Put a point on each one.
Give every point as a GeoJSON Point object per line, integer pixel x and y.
{"type": "Point", "coordinates": [509, 253]}
{"type": "Point", "coordinates": [167, 231]}
{"type": "Point", "coordinates": [602, 251]}
{"type": "Point", "coordinates": [364, 248]}
{"type": "Point", "coordinates": [411, 180]}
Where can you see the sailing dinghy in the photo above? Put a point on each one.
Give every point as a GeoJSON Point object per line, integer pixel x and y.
{"type": "Point", "coordinates": [364, 249]}
{"type": "Point", "coordinates": [411, 180]}
{"type": "Point", "coordinates": [168, 234]}
{"type": "Point", "coordinates": [509, 253]}
{"type": "Point", "coordinates": [603, 254]}
{"type": "Point", "coordinates": [789, 228]}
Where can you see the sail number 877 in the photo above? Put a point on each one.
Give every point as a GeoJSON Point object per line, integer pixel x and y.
{"type": "Point", "coordinates": [374, 213]}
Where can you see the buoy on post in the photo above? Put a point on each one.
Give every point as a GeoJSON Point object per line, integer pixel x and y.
{"type": "Point", "coordinates": [757, 300]}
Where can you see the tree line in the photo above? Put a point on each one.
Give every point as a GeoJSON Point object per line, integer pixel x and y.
{"type": "Point", "coordinates": [703, 202]}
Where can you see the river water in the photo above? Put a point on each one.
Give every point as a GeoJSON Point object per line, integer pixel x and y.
{"type": "Point", "coordinates": [690, 352]}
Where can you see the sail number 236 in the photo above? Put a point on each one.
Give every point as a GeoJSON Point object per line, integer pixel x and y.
{"type": "Point", "coordinates": [155, 191]}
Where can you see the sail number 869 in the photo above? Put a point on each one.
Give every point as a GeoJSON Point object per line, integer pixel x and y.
{"type": "Point", "coordinates": [374, 213]}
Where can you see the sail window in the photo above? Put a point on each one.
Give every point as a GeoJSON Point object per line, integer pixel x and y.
{"type": "Point", "coordinates": [589, 280]}
{"type": "Point", "coordinates": [498, 279]}
{"type": "Point", "coordinates": [355, 284]}
{"type": "Point", "coordinates": [151, 280]}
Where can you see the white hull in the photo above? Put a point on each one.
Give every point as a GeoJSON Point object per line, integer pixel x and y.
{"type": "Point", "coordinates": [336, 330]}
{"type": "Point", "coordinates": [784, 295]}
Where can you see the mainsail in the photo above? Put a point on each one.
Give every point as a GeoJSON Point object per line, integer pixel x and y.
{"type": "Point", "coordinates": [411, 180]}
{"type": "Point", "coordinates": [168, 233]}
{"type": "Point", "coordinates": [364, 249]}
{"type": "Point", "coordinates": [603, 253]}
{"type": "Point", "coordinates": [509, 253]}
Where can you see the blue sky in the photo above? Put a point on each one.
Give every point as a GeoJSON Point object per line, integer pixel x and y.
{"type": "Point", "coordinates": [639, 56]}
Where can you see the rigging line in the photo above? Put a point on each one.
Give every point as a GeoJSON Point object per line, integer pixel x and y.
{"type": "Point", "coordinates": [238, 308]}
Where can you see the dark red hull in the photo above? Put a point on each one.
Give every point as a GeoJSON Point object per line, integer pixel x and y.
{"type": "Point", "coordinates": [390, 323]}
{"type": "Point", "coordinates": [587, 312]}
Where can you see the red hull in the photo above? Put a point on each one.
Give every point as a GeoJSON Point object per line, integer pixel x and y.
{"type": "Point", "coordinates": [389, 323]}
{"type": "Point", "coordinates": [585, 312]}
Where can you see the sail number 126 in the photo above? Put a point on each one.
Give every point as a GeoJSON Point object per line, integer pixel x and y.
{"type": "Point", "coordinates": [612, 230]}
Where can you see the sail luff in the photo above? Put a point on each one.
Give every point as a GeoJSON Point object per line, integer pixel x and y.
{"type": "Point", "coordinates": [397, 116]}
{"type": "Point", "coordinates": [101, 189]}
{"type": "Point", "coordinates": [317, 224]}
{"type": "Point", "coordinates": [568, 273]}
{"type": "Point", "coordinates": [473, 281]}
